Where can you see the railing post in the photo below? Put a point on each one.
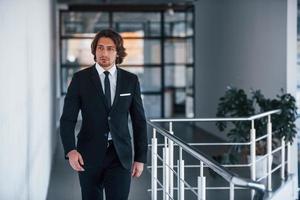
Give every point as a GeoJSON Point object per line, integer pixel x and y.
{"type": "Point", "coordinates": [201, 184]}
{"type": "Point", "coordinates": [165, 173]}
{"type": "Point", "coordinates": [154, 166]}
{"type": "Point", "coordinates": [201, 169]}
{"type": "Point", "coordinates": [171, 162]}
{"type": "Point", "coordinates": [180, 176]}
{"type": "Point", "coordinates": [231, 191]}
{"type": "Point", "coordinates": [269, 152]}
{"type": "Point", "coordinates": [201, 188]}
{"type": "Point", "coordinates": [253, 154]}
{"type": "Point", "coordinates": [282, 158]}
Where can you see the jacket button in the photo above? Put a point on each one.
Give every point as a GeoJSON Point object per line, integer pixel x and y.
{"type": "Point", "coordinates": [108, 118]}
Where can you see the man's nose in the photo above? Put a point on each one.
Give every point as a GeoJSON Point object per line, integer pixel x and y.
{"type": "Point", "coordinates": [105, 52]}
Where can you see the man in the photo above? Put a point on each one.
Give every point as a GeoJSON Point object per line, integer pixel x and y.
{"type": "Point", "coordinates": [105, 94]}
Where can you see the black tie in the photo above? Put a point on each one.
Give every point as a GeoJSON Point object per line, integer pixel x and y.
{"type": "Point", "coordinates": [107, 89]}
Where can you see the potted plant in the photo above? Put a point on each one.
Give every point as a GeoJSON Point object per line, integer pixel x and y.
{"type": "Point", "coordinates": [236, 103]}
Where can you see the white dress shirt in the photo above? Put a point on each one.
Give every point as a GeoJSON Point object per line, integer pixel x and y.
{"type": "Point", "coordinates": [112, 80]}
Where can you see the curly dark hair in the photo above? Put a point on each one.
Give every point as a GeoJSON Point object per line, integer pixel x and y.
{"type": "Point", "coordinates": [116, 38]}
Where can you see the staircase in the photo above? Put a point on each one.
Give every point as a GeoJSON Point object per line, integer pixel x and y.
{"type": "Point", "coordinates": [203, 178]}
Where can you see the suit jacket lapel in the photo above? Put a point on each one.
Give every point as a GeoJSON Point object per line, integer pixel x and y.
{"type": "Point", "coordinates": [96, 80]}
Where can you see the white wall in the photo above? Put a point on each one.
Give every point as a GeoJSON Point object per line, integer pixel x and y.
{"type": "Point", "coordinates": [239, 43]}
{"type": "Point", "coordinates": [247, 44]}
{"type": "Point", "coordinates": [26, 99]}
{"type": "Point", "coordinates": [291, 76]}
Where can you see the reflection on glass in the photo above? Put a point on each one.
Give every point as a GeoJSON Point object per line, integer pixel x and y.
{"type": "Point", "coordinates": [146, 23]}
{"type": "Point", "coordinates": [189, 107]}
{"type": "Point", "coordinates": [189, 51]}
{"type": "Point", "coordinates": [83, 22]}
{"type": "Point", "coordinates": [179, 91]}
{"type": "Point", "coordinates": [175, 24]}
{"type": "Point", "coordinates": [149, 78]}
{"type": "Point", "coordinates": [67, 74]}
{"type": "Point", "coordinates": [174, 102]}
{"type": "Point", "coordinates": [169, 102]}
{"type": "Point", "coordinates": [142, 51]}
{"type": "Point", "coordinates": [77, 50]}
{"type": "Point", "coordinates": [152, 105]}
{"type": "Point", "coordinates": [189, 77]}
{"type": "Point", "coordinates": [175, 51]}
{"type": "Point", "coordinates": [180, 97]}
{"type": "Point", "coordinates": [142, 33]}
{"type": "Point", "coordinates": [175, 76]}
{"type": "Point", "coordinates": [189, 24]}
{"type": "Point", "coordinates": [178, 103]}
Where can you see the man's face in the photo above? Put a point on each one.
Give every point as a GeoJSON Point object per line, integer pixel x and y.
{"type": "Point", "coordinates": [106, 53]}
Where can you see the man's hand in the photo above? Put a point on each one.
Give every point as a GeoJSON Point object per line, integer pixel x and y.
{"type": "Point", "coordinates": [75, 160]}
{"type": "Point", "coordinates": [137, 169]}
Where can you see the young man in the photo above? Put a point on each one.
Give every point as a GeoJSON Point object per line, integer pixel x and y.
{"type": "Point", "coordinates": [105, 94]}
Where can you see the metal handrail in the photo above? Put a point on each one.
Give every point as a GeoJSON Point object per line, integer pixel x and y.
{"type": "Point", "coordinates": [257, 116]}
{"type": "Point", "coordinates": [216, 167]}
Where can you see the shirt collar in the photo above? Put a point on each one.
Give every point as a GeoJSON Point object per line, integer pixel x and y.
{"type": "Point", "coordinates": [112, 70]}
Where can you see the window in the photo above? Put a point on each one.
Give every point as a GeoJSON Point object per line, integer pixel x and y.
{"type": "Point", "coordinates": [159, 46]}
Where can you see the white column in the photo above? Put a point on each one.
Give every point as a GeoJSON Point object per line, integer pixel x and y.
{"type": "Point", "coordinates": [291, 79]}
{"type": "Point", "coordinates": [26, 131]}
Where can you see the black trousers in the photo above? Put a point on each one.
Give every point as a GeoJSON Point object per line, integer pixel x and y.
{"type": "Point", "coordinates": [111, 176]}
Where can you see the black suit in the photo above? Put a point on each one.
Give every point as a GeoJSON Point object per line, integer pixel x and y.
{"type": "Point", "coordinates": [85, 93]}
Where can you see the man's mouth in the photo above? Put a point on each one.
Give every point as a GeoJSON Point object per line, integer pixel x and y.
{"type": "Point", "coordinates": [104, 59]}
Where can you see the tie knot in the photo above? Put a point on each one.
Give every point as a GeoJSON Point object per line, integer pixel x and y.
{"type": "Point", "coordinates": [106, 73]}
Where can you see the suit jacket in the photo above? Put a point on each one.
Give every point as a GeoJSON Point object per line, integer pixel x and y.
{"type": "Point", "coordinates": [85, 93]}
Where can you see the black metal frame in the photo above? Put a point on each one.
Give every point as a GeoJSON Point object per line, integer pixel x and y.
{"type": "Point", "coordinates": [161, 8]}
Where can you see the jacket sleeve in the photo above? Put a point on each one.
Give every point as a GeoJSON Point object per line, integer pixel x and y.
{"type": "Point", "coordinates": [69, 116]}
{"type": "Point", "coordinates": [139, 126]}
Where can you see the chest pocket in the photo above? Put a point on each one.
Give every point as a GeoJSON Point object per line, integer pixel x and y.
{"type": "Point", "coordinates": [124, 101]}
